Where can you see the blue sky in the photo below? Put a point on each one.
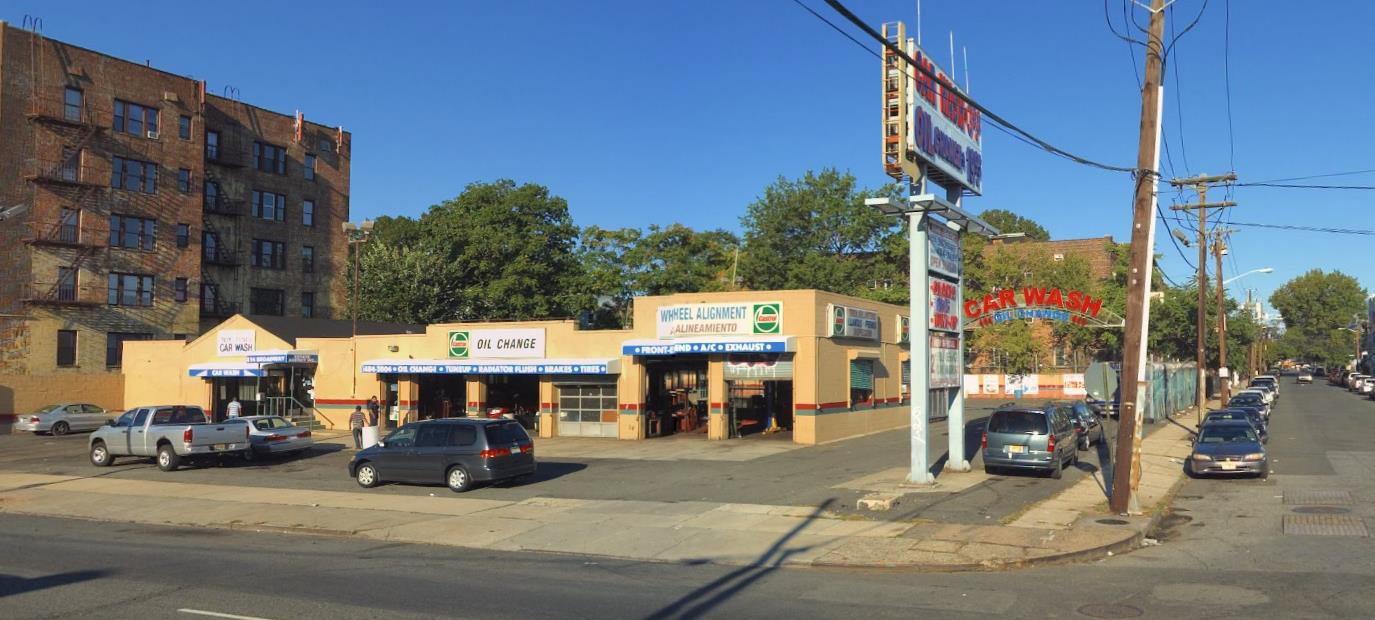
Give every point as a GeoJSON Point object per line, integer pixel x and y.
{"type": "Point", "coordinates": [682, 111]}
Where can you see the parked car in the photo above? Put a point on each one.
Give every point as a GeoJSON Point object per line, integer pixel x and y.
{"type": "Point", "coordinates": [1228, 447]}
{"type": "Point", "coordinates": [457, 451]}
{"type": "Point", "coordinates": [272, 435]}
{"type": "Point", "coordinates": [1253, 409]}
{"type": "Point", "coordinates": [168, 433]}
{"type": "Point", "coordinates": [1364, 386]}
{"type": "Point", "coordinates": [1352, 379]}
{"type": "Point", "coordinates": [1270, 381]}
{"type": "Point", "coordinates": [1304, 377]}
{"type": "Point", "coordinates": [1087, 427]}
{"type": "Point", "coordinates": [63, 418]}
{"type": "Point", "coordinates": [1030, 438]}
{"type": "Point", "coordinates": [1251, 399]}
{"type": "Point", "coordinates": [1247, 414]}
{"type": "Point", "coordinates": [1264, 394]}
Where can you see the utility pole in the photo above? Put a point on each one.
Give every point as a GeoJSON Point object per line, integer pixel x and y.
{"type": "Point", "coordinates": [1201, 184]}
{"type": "Point", "coordinates": [1218, 249]}
{"type": "Point", "coordinates": [1126, 465]}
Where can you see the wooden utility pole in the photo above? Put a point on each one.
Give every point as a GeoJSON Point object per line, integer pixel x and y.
{"type": "Point", "coordinates": [1126, 464]}
{"type": "Point", "coordinates": [1201, 184]}
{"type": "Point", "coordinates": [1218, 248]}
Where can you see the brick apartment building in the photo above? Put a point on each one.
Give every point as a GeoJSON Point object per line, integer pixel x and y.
{"type": "Point", "coordinates": [150, 210]}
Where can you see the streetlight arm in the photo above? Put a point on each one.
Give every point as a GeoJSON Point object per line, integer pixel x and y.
{"type": "Point", "coordinates": [1240, 276]}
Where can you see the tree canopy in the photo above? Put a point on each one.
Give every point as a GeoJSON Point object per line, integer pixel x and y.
{"type": "Point", "coordinates": [1315, 307]}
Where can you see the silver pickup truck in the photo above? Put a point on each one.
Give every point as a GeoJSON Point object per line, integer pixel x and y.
{"type": "Point", "coordinates": [168, 432]}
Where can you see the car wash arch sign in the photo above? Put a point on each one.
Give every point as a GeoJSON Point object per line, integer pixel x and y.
{"type": "Point", "coordinates": [1033, 303]}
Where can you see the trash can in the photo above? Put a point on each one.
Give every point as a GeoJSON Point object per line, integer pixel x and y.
{"type": "Point", "coordinates": [369, 436]}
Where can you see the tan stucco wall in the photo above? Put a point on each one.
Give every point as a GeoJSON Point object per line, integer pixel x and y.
{"type": "Point", "coordinates": [155, 371]}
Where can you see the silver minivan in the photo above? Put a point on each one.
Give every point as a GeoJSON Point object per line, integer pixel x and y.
{"type": "Point", "coordinates": [1038, 439]}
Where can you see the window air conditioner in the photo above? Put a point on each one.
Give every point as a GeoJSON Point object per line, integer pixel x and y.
{"type": "Point", "coordinates": [152, 135]}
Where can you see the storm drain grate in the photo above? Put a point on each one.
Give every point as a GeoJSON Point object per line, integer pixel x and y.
{"type": "Point", "coordinates": [1324, 525]}
{"type": "Point", "coordinates": [1317, 497]}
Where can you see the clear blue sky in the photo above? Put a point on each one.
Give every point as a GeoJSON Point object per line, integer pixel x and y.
{"type": "Point", "coordinates": [648, 112]}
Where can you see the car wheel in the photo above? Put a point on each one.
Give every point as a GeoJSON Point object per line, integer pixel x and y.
{"type": "Point", "coordinates": [168, 460]}
{"type": "Point", "coordinates": [61, 428]}
{"type": "Point", "coordinates": [250, 455]}
{"type": "Point", "coordinates": [1084, 442]}
{"type": "Point", "coordinates": [366, 475]}
{"type": "Point", "coordinates": [458, 479]}
{"type": "Point", "coordinates": [1057, 470]}
{"type": "Point", "coordinates": [100, 455]}
{"type": "Point", "coordinates": [1265, 473]}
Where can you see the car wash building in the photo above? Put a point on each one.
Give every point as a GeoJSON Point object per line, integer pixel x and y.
{"type": "Point", "coordinates": [805, 365]}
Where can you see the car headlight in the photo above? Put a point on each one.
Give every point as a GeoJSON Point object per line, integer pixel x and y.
{"type": "Point", "coordinates": [1201, 457]}
{"type": "Point", "coordinates": [1255, 456]}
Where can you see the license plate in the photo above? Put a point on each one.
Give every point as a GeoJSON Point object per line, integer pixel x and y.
{"type": "Point", "coordinates": [1228, 466]}
{"type": "Point", "coordinates": [1016, 449]}
{"type": "Point", "coordinates": [220, 446]}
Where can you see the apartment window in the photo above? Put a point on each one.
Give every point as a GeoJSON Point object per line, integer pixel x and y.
{"type": "Point", "coordinates": [72, 104]}
{"type": "Point", "coordinates": [270, 301]}
{"type": "Point", "coordinates": [180, 290]}
{"type": "Point", "coordinates": [133, 175]}
{"type": "Point", "coordinates": [308, 305]}
{"type": "Point", "coordinates": [269, 254]}
{"type": "Point", "coordinates": [66, 347]}
{"type": "Point", "coordinates": [310, 167]}
{"type": "Point", "coordinates": [66, 284]}
{"type": "Point", "coordinates": [114, 345]}
{"type": "Point", "coordinates": [324, 144]}
{"type": "Point", "coordinates": [67, 226]}
{"type": "Point", "coordinates": [135, 119]}
{"type": "Point", "coordinates": [269, 206]}
{"type": "Point", "coordinates": [269, 157]}
{"type": "Point", "coordinates": [183, 235]}
{"type": "Point", "coordinates": [71, 161]}
{"type": "Point", "coordinates": [212, 194]}
{"type": "Point", "coordinates": [308, 212]}
{"type": "Point", "coordinates": [184, 127]}
{"type": "Point", "coordinates": [130, 289]}
{"type": "Point", "coordinates": [861, 382]}
{"type": "Point", "coordinates": [184, 181]}
{"type": "Point", "coordinates": [212, 144]}
{"type": "Point", "coordinates": [134, 233]}
{"type": "Point", "coordinates": [307, 259]}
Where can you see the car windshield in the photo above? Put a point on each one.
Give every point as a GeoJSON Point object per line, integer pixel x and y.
{"type": "Point", "coordinates": [1246, 399]}
{"type": "Point", "coordinates": [1227, 434]}
{"type": "Point", "coordinates": [508, 433]}
{"type": "Point", "coordinates": [270, 423]}
{"type": "Point", "coordinates": [1030, 422]}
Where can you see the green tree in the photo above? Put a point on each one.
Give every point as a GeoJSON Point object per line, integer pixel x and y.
{"type": "Point", "coordinates": [816, 232]}
{"type": "Point", "coordinates": [1315, 306]}
{"type": "Point", "coordinates": [607, 273]}
{"type": "Point", "coordinates": [678, 259]}
{"type": "Point", "coordinates": [1008, 222]}
{"type": "Point", "coordinates": [408, 285]}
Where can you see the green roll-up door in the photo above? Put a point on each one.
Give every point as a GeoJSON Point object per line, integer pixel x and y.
{"type": "Point", "coordinates": [907, 372]}
{"type": "Point", "coordinates": [861, 374]}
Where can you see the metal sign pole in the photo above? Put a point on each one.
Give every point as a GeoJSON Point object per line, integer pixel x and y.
{"type": "Point", "coordinates": [920, 343]}
{"type": "Point", "coordinates": [956, 461]}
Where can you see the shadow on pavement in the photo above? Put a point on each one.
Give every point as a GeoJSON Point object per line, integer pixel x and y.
{"type": "Point", "coordinates": [548, 470]}
{"type": "Point", "coordinates": [973, 436]}
{"type": "Point", "coordinates": [11, 585]}
{"type": "Point", "coordinates": [701, 601]}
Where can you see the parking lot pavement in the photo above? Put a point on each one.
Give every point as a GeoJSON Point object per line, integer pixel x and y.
{"type": "Point", "coordinates": [796, 476]}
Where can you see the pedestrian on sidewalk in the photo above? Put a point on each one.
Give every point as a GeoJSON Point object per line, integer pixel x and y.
{"type": "Point", "coordinates": [374, 409]}
{"type": "Point", "coordinates": [233, 409]}
{"type": "Point", "coordinates": [356, 423]}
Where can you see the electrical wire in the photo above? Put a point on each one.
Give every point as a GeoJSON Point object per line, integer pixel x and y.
{"type": "Point", "coordinates": [1313, 176]}
{"type": "Point", "coordinates": [1178, 101]}
{"type": "Point", "coordinates": [1227, 79]}
{"type": "Point", "coordinates": [1306, 186]}
{"type": "Point", "coordinates": [1340, 231]}
{"type": "Point", "coordinates": [987, 113]}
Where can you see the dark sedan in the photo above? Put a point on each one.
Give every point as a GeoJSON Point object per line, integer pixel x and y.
{"type": "Point", "coordinates": [456, 451]}
{"type": "Point", "coordinates": [1251, 399]}
{"type": "Point", "coordinates": [1228, 447]}
{"type": "Point", "coordinates": [1246, 415]}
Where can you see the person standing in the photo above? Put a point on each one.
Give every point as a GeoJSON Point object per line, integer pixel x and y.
{"type": "Point", "coordinates": [233, 409]}
{"type": "Point", "coordinates": [356, 423]}
{"type": "Point", "coordinates": [374, 410]}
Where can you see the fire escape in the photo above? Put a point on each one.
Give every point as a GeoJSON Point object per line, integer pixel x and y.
{"type": "Point", "coordinates": [81, 193]}
{"type": "Point", "coordinates": [895, 104]}
{"type": "Point", "coordinates": [220, 211]}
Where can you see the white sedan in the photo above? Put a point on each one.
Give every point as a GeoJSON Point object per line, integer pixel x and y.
{"type": "Point", "coordinates": [63, 418]}
{"type": "Point", "coordinates": [271, 435]}
{"type": "Point", "coordinates": [1304, 377]}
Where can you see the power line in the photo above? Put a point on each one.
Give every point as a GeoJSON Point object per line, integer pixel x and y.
{"type": "Point", "coordinates": [991, 115]}
{"type": "Point", "coordinates": [1227, 79]}
{"type": "Point", "coordinates": [1179, 103]}
{"type": "Point", "coordinates": [1340, 231]}
{"type": "Point", "coordinates": [1306, 186]}
{"type": "Point", "coordinates": [1314, 176]}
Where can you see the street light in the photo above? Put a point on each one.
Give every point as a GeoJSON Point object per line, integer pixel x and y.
{"type": "Point", "coordinates": [915, 208]}
{"type": "Point", "coordinates": [1240, 276]}
{"type": "Point", "coordinates": [357, 235]}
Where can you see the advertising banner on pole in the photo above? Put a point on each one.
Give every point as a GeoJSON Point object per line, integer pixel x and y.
{"type": "Point", "coordinates": [945, 361]}
{"type": "Point", "coordinates": [943, 254]}
{"type": "Point", "coordinates": [944, 302]}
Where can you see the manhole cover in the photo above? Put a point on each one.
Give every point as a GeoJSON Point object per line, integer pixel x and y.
{"type": "Point", "coordinates": [1317, 497]}
{"type": "Point", "coordinates": [1110, 611]}
{"type": "Point", "coordinates": [1113, 522]}
{"type": "Point", "coordinates": [1324, 525]}
{"type": "Point", "coordinates": [1321, 510]}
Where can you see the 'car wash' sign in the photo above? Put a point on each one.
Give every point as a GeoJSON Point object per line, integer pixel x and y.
{"type": "Point", "coordinates": [720, 319]}
{"type": "Point", "coordinates": [851, 322]}
{"type": "Point", "coordinates": [496, 343]}
{"type": "Point", "coordinates": [1008, 304]}
{"type": "Point", "coordinates": [236, 342]}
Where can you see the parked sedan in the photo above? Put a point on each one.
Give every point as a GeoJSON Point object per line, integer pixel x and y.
{"type": "Point", "coordinates": [1228, 447]}
{"type": "Point", "coordinates": [1247, 399]}
{"type": "Point", "coordinates": [1246, 415]}
{"type": "Point", "coordinates": [456, 451]}
{"type": "Point", "coordinates": [1087, 426]}
{"type": "Point", "coordinates": [63, 418]}
{"type": "Point", "coordinates": [272, 435]}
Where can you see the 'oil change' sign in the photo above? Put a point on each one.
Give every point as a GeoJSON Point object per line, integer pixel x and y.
{"type": "Point", "coordinates": [723, 319]}
{"type": "Point", "coordinates": [496, 343]}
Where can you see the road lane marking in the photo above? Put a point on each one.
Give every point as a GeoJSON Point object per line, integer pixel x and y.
{"type": "Point", "coordinates": [216, 614]}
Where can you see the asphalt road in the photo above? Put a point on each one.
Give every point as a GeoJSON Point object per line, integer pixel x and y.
{"type": "Point", "coordinates": [1223, 553]}
{"type": "Point", "coordinates": [806, 477]}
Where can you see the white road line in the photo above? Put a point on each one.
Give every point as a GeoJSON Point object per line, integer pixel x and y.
{"type": "Point", "coordinates": [216, 614]}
